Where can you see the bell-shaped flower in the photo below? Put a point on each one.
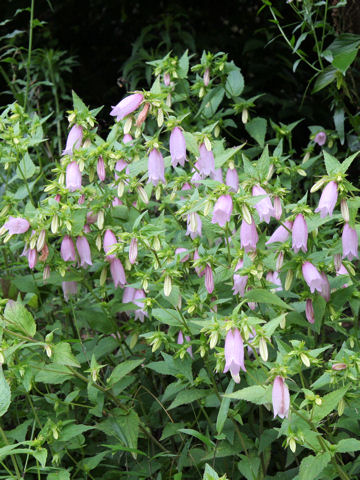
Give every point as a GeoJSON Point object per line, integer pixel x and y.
{"type": "Point", "coordinates": [200, 273]}
{"type": "Point", "coordinates": [156, 167]}
{"type": "Point", "coordinates": [350, 242]}
{"type": "Point", "coordinates": [206, 161]}
{"type": "Point", "coordinates": [74, 140]}
{"type": "Point", "coordinates": [325, 290]}
{"type": "Point", "coordinates": [222, 210]}
{"type": "Point", "coordinates": [281, 234]}
{"type": "Point", "coordinates": [217, 175]}
{"type": "Point", "coordinates": [177, 147]}
{"type": "Point", "coordinates": [234, 354]}
{"type": "Point", "coordinates": [126, 106]}
{"type": "Point", "coordinates": [166, 79]}
{"type": "Point", "coordinates": [312, 277]}
{"type": "Point", "coordinates": [280, 397]}
{"type": "Point", "coordinates": [133, 250]}
{"type": "Point", "coordinates": [240, 281]}
{"type": "Point", "coordinates": [32, 257]}
{"type": "Point", "coordinates": [232, 179]}
{"type": "Point", "coordinates": [109, 241]}
{"type": "Point", "coordinates": [264, 207]}
{"type": "Point", "coordinates": [248, 236]}
{"type": "Point", "coordinates": [116, 202]}
{"type": "Point", "coordinates": [273, 277]}
{"type": "Point", "coordinates": [16, 225]}
{"type": "Point", "coordinates": [299, 234]}
{"type": "Point", "coordinates": [277, 208]}
{"type": "Point", "coordinates": [100, 169]}
{"type": "Point", "coordinates": [69, 288]}
{"type": "Point", "coordinates": [67, 249]}
{"type": "Point", "coordinates": [320, 138]}
{"type": "Point", "coordinates": [117, 272]}
{"type": "Point", "coordinates": [209, 278]}
{"type": "Point", "coordinates": [180, 253]}
{"type": "Point", "coordinates": [180, 341]}
{"type": "Point", "coordinates": [194, 225]}
{"type": "Point", "coordinates": [120, 166]}
{"type": "Point", "coordinates": [127, 138]}
{"type": "Point", "coordinates": [342, 271]}
{"type": "Point", "coordinates": [328, 200]}
{"type": "Point", "coordinates": [206, 77]}
{"type": "Point", "coordinates": [73, 177]}
{"type": "Point", "coordinates": [138, 299]}
{"type": "Point", "coordinates": [309, 311]}
{"type": "Point", "coordinates": [84, 251]}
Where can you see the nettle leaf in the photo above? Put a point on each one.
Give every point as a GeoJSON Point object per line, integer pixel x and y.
{"type": "Point", "coordinates": [332, 165]}
{"type": "Point", "coordinates": [19, 319]}
{"type": "Point", "coordinates": [312, 466]}
{"type": "Point", "coordinates": [123, 369]}
{"type": "Point", "coordinates": [59, 475]}
{"type": "Point", "coordinates": [264, 296]}
{"type": "Point", "coordinates": [71, 431]}
{"type": "Point", "coordinates": [26, 167]}
{"type": "Point", "coordinates": [62, 355]}
{"type": "Point", "coordinates": [188, 396]}
{"type": "Point", "coordinates": [211, 101]}
{"type": "Point", "coordinates": [5, 394]}
{"type": "Point", "coordinates": [256, 128]}
{"type": "Point", "coordinates": [79, 105]}
{"type": "Point", "coordinates": [329, 403]}
{"type": "Point", "coordinates": [257, 394]}
{"type": "Point", "coordinates": [235, 83]}
{"type": "Point", "coordinates": [348, 445]}
{"type": "Point", "coordinates": [183, 65]}
{"type": "Point", "coordinates": [263, 163]}
{"type": "Point", "coordinates": [209, 473]}
{"type": "Point", "coordinates": [167, 316]}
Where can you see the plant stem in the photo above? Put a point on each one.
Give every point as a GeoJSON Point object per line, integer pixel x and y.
{"type": "Point", "coordinates": [29, 53]}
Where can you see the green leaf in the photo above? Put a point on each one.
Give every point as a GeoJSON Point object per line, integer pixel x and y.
{"type": "Point", "coordinates": [19, 319]}
{"type": "Point", "coordinates": [331, 164]}
{"type": "Point", "coordinates": [339, 120]}
{"type": "Point", "coordinates": [209, 473]}
{"type": "Point", "coordinates": [167, 316]}
{"type": "Point", "coordinates": [78, 218]}
{"type": "Point", "coordinates": [347, 162]}
{"type": "Point", "coordinates": [188, 396]}
{"type": "Point", "coordinates": [173, 366]}
{"type": "Point", "coordinates": [199, 436]}
{"type": "Point", "coordinates": [53, 375]}
{"type": "Point", "coordinates": [264, 296]}
{"type": "Point", "coordinates": [225, 156]}
{"type": "Point", "coordinates": [123, 369]}
{"type": "Point", "coordinates": [71, 431]}
{"type": "Point", "coordinates": [41, 455]}
{"type": "Point", "coordinates": [183, 65]}
{"type": "Point", "coordinates": [62, 355]}
{"type": "Point", "coordinates": [311, 466]}
{"type": "Point", "coordinates": [256, 128]}
{"type": "Point", "coordinates": [234, 83]}
{"type": "Point", "coordinates": [211, 101]}
{"type": "Point", "coordinates": [326, 77]}
{"type": "Point", "coordinates": [5, 394]}
{"type": "Point", "coordinates": [343, 61]}
{"type": "Point", "coordinates": [249, 467]}
{"type": "Point", "coordinates": [79, 105]}
{"type": "Point", "coordinates": [90, 463]}
{"type": "Point", "coordinates": [26, 168]}
{"type": "Point", "coordinates": [59, 475]}
{"type": "Point", "coordinates": [255, 394]}
{"type": "Point", "coordinates": [329, 403]}
{"type": "Point", "coordinates": [348, 445]}
{"type": "Point", "coordinates": [263, 163]}
{"type": "Point", "coordinates": [224, 407]}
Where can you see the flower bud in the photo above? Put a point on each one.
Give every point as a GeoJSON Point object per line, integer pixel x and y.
{"type": "Point", "coordinates": [345, 210]}
{"type": "Point", "coordinates": [143, 195]}
{"type": "Point", "coordinates": [133, 250]}
{"type": "Point", "coordinates": [100, 220]}
{"type": "Point", "coordinates": [98, 242]}
{"type": "Point", "coordinates": [127, 126]}
{"type": "Point", "coordinates": [288, 279]}
{"type": "Point", "coordinates": [263, 349]}
{"type": "Point", "coordinates": [213, 339]}
{"type": "Point", "coordinates": [207, 144]}
{"type": "Point", "coordinates": [46, 273]}
{"type": "Point", "coordinates": [317, 185]}
{"type": "Point", "coordinates": [246, 214]}
{"type": "Point", "coordinates": [292, 444]}
{"type": "Point", "coordinates": [160, 117]}
{"type": "Point", "coordinates": [245, 116]}
{"type": "Point", "coordinates": [167, 286]}
{"type": "Point", "coordinates": [305, 359]}
{"type": "Point", "coordinates": [279, 261]}
{"type": "Point", "coordinates": [142, 115]}
{"type": "Point", "coordinates": [120, 189]}
{"type": "Point", "coordinates": [41, 240]}
{"type": "Point", "coordinates": [341, 407]}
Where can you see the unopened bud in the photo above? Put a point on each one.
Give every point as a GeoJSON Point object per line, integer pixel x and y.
{"type": "Point", "coordinates": [143, 195]}
{"type": "Point", "coordinates": [277, 208]}
{"type": "Point", "coordinates": [81, 164]}
{"type": "Point", "coordinates": [213, 339]}
{"type": "Point", "coordinates": [103, 276]}
{"type": "Point", "coordinates": [318, 400]}
{"type": "Point", "coordinates": [68, 225]}
{"type": "Point", "coordinates": [127, 126]}
{"type": "Point", "coordinates": [120, 189]}
{"type": "Point", "coordinates": [100, 220]}
{"type": "Point", "coordinates": [283, 322]}
{"type": "Point", "coordinates": [302, 172]}
{"type": "Point", "coordinates": [201, 92]}
{"type": "Point", "coordinates": [288, 279]}
{"type": "Point", "coordinates": [2, 359]}
{"type": "Point", "coordinates": [317, 185]}
{"type": "Point", "coordinates": [41, 240]}
{"type": "Point", "coordinates": [98, 242]}
{"type": "Point", "coordinates": [5, 210]}
{"type": "Point", "coordinates": [263, 349]}
{"type": "Point", "coordinates": [216, 131]}
{"type": "Point", "coordinates": [279, 261]}
{"type": "Point", "coordinates": [193, 222]}
{"type": "Point", "coordinates": [292, 444]}
{"type": "Point", "coordinates": [305, 359]}
{"type": "Point", "coordinates": [55, 433]}
{"type": "Point", "coordinates": [246, 214]}
{"type": "Point", "coordinates": [341, 407]}
{"type": "Point", "coordinates": [344, 210]}
{"type": "Point", "coordinates": [337, 261]}
{"type": "Point", "coordinates": [145, 285]}
{"type": "Point", "coordinates": [156, 344]}
{"type": "Point", "coordinates": [207, 144]}
{"type": "Point", "coordinates": [245, 116]}
{"type": "Point", "coordinates": [156, 244]}
{"type": "Point", "coordinates": [158, 192]}
{"type": "Point", "coordinates": [207, 208]}
{"type": "Point", "coordinates": [48, 350]}
{"type": "Point", "coordinates": [33, 241]}
{"type": "Point", "coordinates": [160, 117]}
{"type": "Point", "coordinates": [167, 285]}
{"type": "Point", "coordinates": [142, 115]}
{"type": "Point", "coordinates": [54, 224]}
{"type": "Point", "coordinates": [71, 117]}
{"type": "Point", "coordinates": [270, 172]}
{"type": "Point", "coordinates": [168, 100]}
{"type": "Point", "coordinates": [137, 132]}
{"type": "Point", "coordinates": [46, 273]}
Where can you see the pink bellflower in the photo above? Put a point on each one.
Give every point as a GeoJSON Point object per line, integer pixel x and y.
{"type": "Point", "coordinates": [248, 236]}
{"type": "Point", "coordinates": [312, 277]}
{"type": "Point", "coordinates": [281, 234]}
{"type": "Point", "coordinates": [74, 140]}
{"type": "Point", "coordinates": [264, 207]}
{"type": "Point", "coordinates": [100, 169]}
{"type": "Point", "coordinates": [16, 225]}
{"type": "Point", "coordinates": [67, 249]}
{"type": "Point", "coordinates": [84, 251]}
{"type": "Point", "coordinates": [350, 242]}
{"type": "Point", "coordinates": [240, 281]}
{"type": "Point", "coordinates": [206, 161]}
{"type": "Point", "coordinates": [200, 273]}
{"type": "Point", "coordinates": [232, 179]}
{"type": "Point", "coordinates": [328, 200]}
{"type": "Point", "coordinates": [138, 299]}
{"type": "Point", "coordinates": [126, 106]}
{"type": "Point", "coordinates": [117, 272]}
{"type": "Point", "coordinates": [73, 177]}
{"type": "Point", "coordinates": [209, 278]}
{"type": "Point", "coordinates": [309, 311]}
{"type": "Point", "coordinates": [194, 225]}
{"type": "Point", "coordinates": [180, 341]}
{"type": "Point", "coordinates": [320, 138]}
{"type": "Point", "coordinates": [280, 397]}
{"type": "Point", "coordinates": [109, 241]}
{"type": "Point", "coordinates": [234, 354]}
{"type": "Point", "coordinates": [177, 147]}
{"type": "Point", "coordinates": [222, 210]}
{"type": "Point", "coordinates": [156, 167]}
{"type": "Point", "coordinates": [299, 234]}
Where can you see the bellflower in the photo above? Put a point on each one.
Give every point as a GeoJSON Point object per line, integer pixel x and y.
{"type": "Point", "coordinates": [109, 241]}
{"type": "Point", "coordinates": [117, 272]}
{"type": "Point", "coordinates": [350, 242]}
{"type": "Point", "coordinates": [177, 147]}
{"type": "Point", "coordinates": [312, 277]}
{"type": "Point", "coordinates": [234, 354]}
{"type": "Point", "coordinates": [181, 250]}
{"type": "Point", "coordinates": [325, 289]}
{"type": "Point", "coordinates": [100, 169]}
{"type": "Point", "coordinates": [240, 281]}
{"type": "Point", "coordinates": [156, 167]}
{"type": "Point", "coordinates": [264, 207]}
{"type": "Point", "coordinates": [69, 288]}
{"type": "Point", "coordinates": [166, 79]}
{"type": "Point", "coordinates": [32, 257]}
{"type": "Point", "coordinates": [138, 299]}
{"type": "Point", "coordinates": [206, 161]}
{"type": "Point", "coordinates": [328, 200]}
{"type": "Point", "coordinates": [180, 341]}
{"type": "Point", "coordinates": [73, 177]}
{"type": "Point", "coordinates": [280, 397]}
{"type": "Point", "coordinates": [232, 179]}
{"type": "Point", "coordinates": [126, 106]}
{"type": "Point", "coordinates": [277, 208]}
{"type": "Point", "coordinates": [83, 249]}
{"type": "Point", "coordinates": [320, 138]}
{"type": "Point", "coordinates": [209, 278]}
{"type": "Point", "coordinates": [281, 234]}
{"type": "Point", "coordinates": [74, 140]}
{"type": "Point", "coordinates": [273, 277]}
{"type": "Point", "coordinates": [127, 138]}
{"type": "Point", "coordinates": [194, 225]}
{"type": "Point", "coordinates": [206, 77]}
{"type": "Point", "coordinates": [299, 234]}
{"type": "Point", "coordinates": [116, 202]}
{"type": "Point", "coordinates": [133, 250]}
{"type": "Point", "coordinates": [309, 311]}
{"type": "Point", "coordinates": [222, 210]}
{"type": "Point", "coordinates": [248, 236]}
{"type": "Point", "coordinates": [67, 249]}
{"type": "Point", "coordinates": [217, 175]}
{"type": "Point", "coordinates": [200, 273]}
{"type": "Point", "coordinates": [342, 271]}
{"type": "Point", "coordinates": [16, 225]}
{"type": "Point", "coordinates": [120, 166]}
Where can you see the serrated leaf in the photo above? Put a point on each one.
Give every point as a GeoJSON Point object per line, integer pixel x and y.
{"type": "Point", "coordinates": [347, 162]}
{"type": "Point", "coordinates": [332, 165]}
{"type": "Point", "coordinates": [256, 128]}
{"type": "Point", "coordinates": [312, 466]}
{"type": "Point", "coordinates": [5, 394]}
{"type": "Point", "coordinates": [328, 404]}
{"type": "Point", "coordinates": [167, 316]}
{"type": "Point", "coordinates": [25, 168]}
{"type": "Point", "coordinates": [259, 295]}
{"type": "Point", "coordinates": [255, 394]}
{"type": "Point", "coordinates": [224, 407]}
{"type": "Point", "coordinates": [19, 319]}
{"type": "Point", "coordinates": [234, 83]}
{"type": "Point", "coordinates": [348, 445]}
{"type": "Point", "coordinates": [79, 105]}
{"type": "Point", "coordinates": [209, 473]}
{"type": "Point", "coordinates": [199, 436]}
{"type": "Point", "coordinates": [188, 396]}
{"type": "Point", "coordinates": [71, 431]}
{"type": "Point", "coordinates": [123, 369]}
{"type": "Point", "coordinates": [62, 355]}
{"type": "Point", "coordinates": [184, 65]}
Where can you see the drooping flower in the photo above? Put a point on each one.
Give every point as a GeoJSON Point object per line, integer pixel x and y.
{"type": "Point", "coordinates": [180, 341]}
{"type": "Point", "coordinates": [156, 167]}
{"type": "Point", "coordinates": [133, 250]}
{"type": "Point", "coordinates": [117, 272]}
{"type": "Point", "coordinates": [309, 311]}
{"type": "Point", "coordinates": [109, 241]}
{"type": "Point", "coordinates": [320, 138]}
{"type": "Point", "coordinates": [232, 179]}
{"type": "Point", "coordinates": [73, 177]}
{"type": "Point", "coordinates": [16, 225]}
{"type": "Point", "coordinates": [281, 234]}
{"type": "Point", "coordinates": [100, 169]}
{"type": "Point", "coordinates": [264, 207]}
{"type": "Point", "coordinates": [234, 354]}
{"type": "Point", "coordinates": [128, 294]}
{"type": "Point", "coordinates": [166, 79]}
{"type": "Point", "coordinates": [32, 257]}
{"type": "Point", "coordinates": [299, 234]}
{"type": "Point", "coordinates": [183, 258]}
{"type": "Point", "coordinates": [206, 77]}
{"type": "Point", "coordinates": [339, 366]}
{"type": "Point", "coordinates": [120, 166]}
{"type": "Point", "coordinates": [350, 242]}
{"type": "Point", "coordinates": [240, 281]}
{"type": "Point", "coordinates": [312, 277]}
{"type": "Point", "coordinates": [273, 277]}
{"type": "Point", "coordinates": [206, 161]}
{"type": "Point", "coordinates": [67, 249]}
{"type": "Point", "coordinates": [328, 200]}
{"type": "Point", "coordinates": [200, 273]}
{"type": "Point", "coordinates": [69, 288]}
{"type": "Point", "coordinates": [280, 397]}
{"type": "Point", "coordinates": [84, 251]}
{"type": "Point", "coordinates": [126, 106]}
{"type": "Point", "coordinates": [248, 236]}
{"type": "Point", "coordinates": [74, 140]}
{"type": "Point", "coordinates": [342, 271]}
{"type": "Point", "coordinates": [217, 175]}
{"type": "Point", "coordinates": [177, 147]}
{"type": "Point", "coordinates": [222, 210]}
{"type": "Point", "coordinates": [277, 208]}
{"type": "Point", "coordinates": [209, 278]}
{"type": "Point", "coordinates": [325, 290]}
{"type": "Point", "coordinates": [116, 202]}
{"type": "Point", "coordinates": [194, 225]}
{"type": "Point", "coordinates": [127, 138]}
{"type": "Point", "coordinates": [138, 299]}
